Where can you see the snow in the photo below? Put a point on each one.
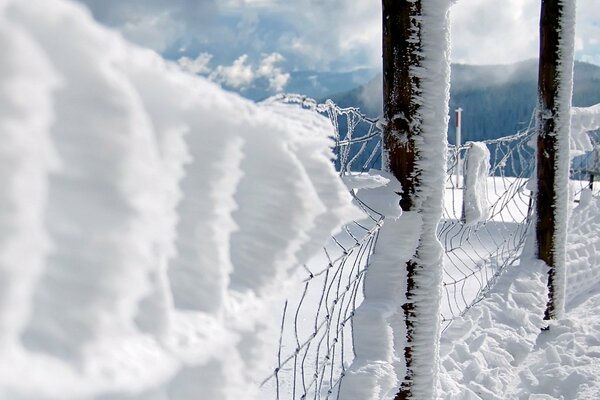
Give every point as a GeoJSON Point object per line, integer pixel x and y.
{"type": "Point", "coordinates": [477, 166]}
{"type": "Point", "coordinates": [379, 330]}
{"type": "Point", "coordinates": [583, 248]}
{"type": "Point", "coordinates": [149, 218]}
{"type": "Point", "coordinates": [481, 350]}
{"type": "Point", "coordinates": [497, 350]}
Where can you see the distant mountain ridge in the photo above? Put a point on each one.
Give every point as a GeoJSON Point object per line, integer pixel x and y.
{"type": "Point", "coordinates": [497, 100]}
{"type": "Point", "coordinates": [315, 84]}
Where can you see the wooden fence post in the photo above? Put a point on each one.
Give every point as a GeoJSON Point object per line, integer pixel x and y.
{"type": "Point", "coordinates": [415, 90]}
{"type": "Point", "coordinates": [555, 77]}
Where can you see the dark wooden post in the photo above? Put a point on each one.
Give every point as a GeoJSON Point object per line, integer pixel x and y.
{"type": "Point", "coordinates": [400, 55]}
{"type": "Point", "coordinates": [401, 45]}
{"type": "Point", "coordinates": [554, 92]}
{"type": "Point", "coordinates": [416, 78]}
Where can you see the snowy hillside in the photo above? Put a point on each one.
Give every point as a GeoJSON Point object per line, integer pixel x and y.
{"type": "Point", "coordinates": [147, 216]}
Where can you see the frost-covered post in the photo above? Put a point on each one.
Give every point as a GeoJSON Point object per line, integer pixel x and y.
{"type": "Point", "coordinates": [457, 142]}
{"type": "Point", "coordinates": [555, 86]}
{"type": "Point", "coordinates": [416, 75]}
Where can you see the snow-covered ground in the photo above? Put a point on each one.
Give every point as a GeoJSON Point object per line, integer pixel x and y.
{"type": "Point", "coordinates": [498, 350]}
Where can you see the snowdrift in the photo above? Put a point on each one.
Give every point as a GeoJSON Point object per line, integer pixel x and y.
{"type": "Point", "coordinates": [147, 217]}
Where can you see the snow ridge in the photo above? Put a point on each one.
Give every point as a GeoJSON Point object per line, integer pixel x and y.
{"type": "Point", "coordinates": [148, 218]}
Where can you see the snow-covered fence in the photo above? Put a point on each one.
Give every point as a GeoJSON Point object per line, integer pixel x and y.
{"type": "Point", "coordinates": [316, 341]}
{"type": "Point", "coordinates": [477, 249]}
{"type": "Point", "coordinates": [585, 149]}
{"type": "Point", "coordinates": [316, 344]}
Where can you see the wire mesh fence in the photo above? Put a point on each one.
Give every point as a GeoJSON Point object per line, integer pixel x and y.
{"type": "Point", "coordinates": [315, 346]}
{"type": "Point", "coordinates": [475, 253]}
{"type": "Point", "coordinates": [585, 172]}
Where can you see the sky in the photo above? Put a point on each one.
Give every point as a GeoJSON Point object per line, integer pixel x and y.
{"type": "Point", "coordinates": [236, 41]}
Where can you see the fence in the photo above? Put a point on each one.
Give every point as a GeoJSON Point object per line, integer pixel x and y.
{"type": "Point", "coordinates": [315, 347]}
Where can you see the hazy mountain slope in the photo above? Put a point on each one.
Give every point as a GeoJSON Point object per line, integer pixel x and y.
{"type": "Point", "coordinates": [311, 83]}
{"type": "Point", "coordinates": [497, 100]}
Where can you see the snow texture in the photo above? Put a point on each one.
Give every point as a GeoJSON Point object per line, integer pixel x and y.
{"type": "Point", "coordinates": [147, 218]}
{"type": "Point", "coordinates": [482, 350]}
{"type": "Point", "coordinates": [477, 166]}
{"type": "Point", "coordinates": [379, 333]}
{"type": "Point", "coordinates": [583, 120]}
{"type": "Point", "coordinates": [565, 363]}
{"type": "Point", "coordinates": [497, 349]}
{"type": "Point", "coordinates": [583, 247]}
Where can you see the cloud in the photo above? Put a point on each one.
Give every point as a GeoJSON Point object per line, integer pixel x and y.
{"type": "Point", "coordinates": [237, 75]}
{"type": "Point", "coordinates": [501, 32]}
{"type": "Point", "coordinates": [493, 32]}
{"type": "Point", "coordinates": [241, 74]}
{"type": "Point", "coordinates": [268, 69]}
{"type": "Point", "coordinates": [199, 65]}
{"type": "Point", "coordinates": [329, 34]}
{"type": "Point", "coordinates": [154, 23]}
{"type": "Point", "coordinates": [587, 31]}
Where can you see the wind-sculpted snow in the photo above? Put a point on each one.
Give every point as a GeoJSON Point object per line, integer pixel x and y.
{"type": "Point", "coordinates": [147, 217]}
{"type": "Point", "coordinates": [583, 247]}
{"type": "Point", "coordinates": [482, 350]}
{"type": "Point", "coordinates": [497, 350]}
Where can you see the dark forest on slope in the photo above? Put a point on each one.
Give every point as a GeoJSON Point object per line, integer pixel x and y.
{"type": "Point", "coordinates": [496, 100]}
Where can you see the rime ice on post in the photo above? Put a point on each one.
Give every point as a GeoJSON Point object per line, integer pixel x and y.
{"type": "Point", "coordinates": [555, 87]}
{"type": "Point", "coordinates": [477, 165]}
{"type": "Point", "coordinates": [457, 143]}
{"type": "Point", "coordinates": [416, 90]}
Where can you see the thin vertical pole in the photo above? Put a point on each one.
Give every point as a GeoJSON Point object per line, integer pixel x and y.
{"type": "Point", "coordinates": [458, 142]}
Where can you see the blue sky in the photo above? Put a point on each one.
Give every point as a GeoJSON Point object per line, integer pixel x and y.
{"type": "Point", "coordinates": [326, 35]}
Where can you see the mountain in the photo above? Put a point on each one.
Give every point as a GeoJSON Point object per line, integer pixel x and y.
{"type": "Point", "coordinates": [497, 100]}
{"type": "Point", "coordinates": [313, 84]}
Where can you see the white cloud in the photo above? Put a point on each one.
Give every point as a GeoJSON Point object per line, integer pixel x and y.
{"type": "Point", "coordinates": [494, 32]}
{"type": "Point", "coordinates": [199, 65]}
{"type": "Point", "coordinates": [499, 32]}
{"type": "Point", "coordinates": [237, 75]}
{"type": "Point", "coordinates": [241, 74]}
{"type": "Point", "coordinates": [153, 31]}
{"type": "Point", "coordinates": [330, 34]}
{"type": "Point", "coordinates": [268, 69]}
